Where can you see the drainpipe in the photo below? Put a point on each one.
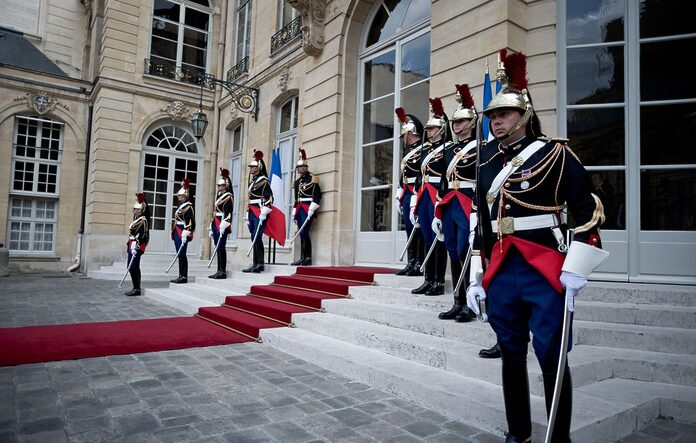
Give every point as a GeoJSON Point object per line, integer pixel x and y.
{"type": "Point", "coordinates": [78, 255]}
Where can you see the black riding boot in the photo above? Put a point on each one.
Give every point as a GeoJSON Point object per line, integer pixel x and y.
{"type": "Point", "coordinates": [255, 260]}
{"type": "Point", "coordinates": [439, 262]}
{"type": "Point", "coordinates": [429, 277]}
{"type": "Point", "coordinates": [561, 428]}
{"type": "Point", "coordinates": [517, 407]}
{"type": "Point", "coordinates": [418, 255]}
{"type": "Point", "coordinates": [183, 271]}
{"type": "Point", "coordinates": [299, 261]}
{"type": "Point", "coordinates": [411, 256]}
{"type": "Point", "coordinates": [135, 277]}
{"type": "Point", "coordinates": [308, 252]}
{"type": "Point", "coordinates": [222, 264]}
{"type": "Point", "coordinates": [456, 268]}
{"type": "Point", "coordinates": [259, 259]}
{"type": "Point", "coordinates": [492, 352]}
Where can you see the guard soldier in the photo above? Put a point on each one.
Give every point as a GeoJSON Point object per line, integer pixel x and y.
{"type": "Point", "coordinates": [260, 202]}
{"type": "Point", "coordinates": [222, 219]}
{"type": "Point", "coordinates": [453, 212]}
{"type": "Point", "coordinates": [138, 236]}
{"type": "Point", "coordinates": [433, 170]}
{"type": "Point", "coordinates": [182, 232]}
{"type": "Point", "coordinates": [412, 140]}
{"type": "Point", "coordinates": [524, 186]}
{"type": "Point", "coordinates": [307, 194]}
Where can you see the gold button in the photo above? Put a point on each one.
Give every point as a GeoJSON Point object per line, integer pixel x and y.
{"type": "Point", "coordinates": [507, 184]}
{"type": "Point", "coordinates": [507, 206]}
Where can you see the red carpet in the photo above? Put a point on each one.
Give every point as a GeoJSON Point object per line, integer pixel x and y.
{"type": "Point", "coordinates": [35, 344]}
{"type": "Point", "coordinates": [266, 306]}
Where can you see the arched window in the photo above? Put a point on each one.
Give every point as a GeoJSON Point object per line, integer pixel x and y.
{"type": "Point", "coordinates": [237, 148]}
{"type": "Point", "coordinates": [286, 139]}
{"type": "Point", "coordinates": [170, 155]}
{"type": "Point", "coordinates": [395, 71]}
{"type": "Point", "coordinates": [179, 44]}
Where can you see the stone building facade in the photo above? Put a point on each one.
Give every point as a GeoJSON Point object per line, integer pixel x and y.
{"type": "Point", "coordinates": [328, 73]}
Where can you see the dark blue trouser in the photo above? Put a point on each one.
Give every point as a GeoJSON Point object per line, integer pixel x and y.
{"type": "Point", "coordinates": [455, 226]}
{"type": "Point", "coordinates": [426, 213]}
{"type": "Point", "coordinates": [301, 216]}
{"type": "Point", "coordinates": [253, 224]}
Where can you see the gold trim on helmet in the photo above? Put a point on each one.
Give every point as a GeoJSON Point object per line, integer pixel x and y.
{"type": "Point", "coordinates": [462, 113]}
{"type": "Point", "coordinates": [138, 205]}
{"type": "Point", "coordinates": [409, 126]}
{"type": "Point", "coordinates": [222, 181]}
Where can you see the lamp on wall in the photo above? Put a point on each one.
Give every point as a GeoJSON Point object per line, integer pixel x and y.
{"type": "Point", "coordinates": [246, 99]}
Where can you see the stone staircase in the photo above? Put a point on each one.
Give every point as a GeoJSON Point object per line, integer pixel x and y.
{"type": "Point", "coordinates": [633, 360]}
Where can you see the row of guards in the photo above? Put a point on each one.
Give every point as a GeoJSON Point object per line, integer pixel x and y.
{"type": "Point", "coordinates": [491, 194]}
{"type": "Point", "coordinates": [263, 217]}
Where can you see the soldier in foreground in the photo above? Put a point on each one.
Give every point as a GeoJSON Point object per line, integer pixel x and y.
{"type": "Point", "coordinates": [222, 219]}
{"type": "Point", "coordinates": [182, 231]}
{"type": "Point", "coordinates": [307, 193]}
{"type": "Point", "coordinates": [138, 236]}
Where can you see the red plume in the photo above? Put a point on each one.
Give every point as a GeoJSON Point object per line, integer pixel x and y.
{"type": "Point", "coordinates": [303, 154]}
{"type": "Point", "coordinates": [258, 155]}
{"type": "Point", "coordinates": [224, 173]}
{"type": "Point", "coordinates": [438, 109]}
{"type": "Point", "coordinates": [140, 196]}
{"type": "Point", "coordinates": [516, 70]}
{"type": "Point", "coordinates": [465, 94]}
{"type": "Point", "coordinates": [502, 55]}
{"type": "Point", "coordinates": [401, 113]}
{"type": "Point", "coordinates": [186, 182]}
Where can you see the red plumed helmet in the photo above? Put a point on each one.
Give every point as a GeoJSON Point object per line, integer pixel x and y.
{"type": "Point", "coordinates": [516, 71]}
{"type": "Point", "coordinates": [465, 98]}
{"type": "Point", "coordinates": [224, 179]}
{"type": "Point", "coordinates": [184, 187]}
{"type": "Point", "coordinates": [302, 158]}
{"type": "Point", "coordinates": [401, 114]}
{"type": "Point", "coordinates": [436, 105]}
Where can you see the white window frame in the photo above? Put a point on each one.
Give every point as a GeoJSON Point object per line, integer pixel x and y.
{"type": "Point", "coordinates": [243, 16]}
{"type": "Point", "coordinates": [185, 4]}
{"type": "Point", "coordinates": [33, 221]}
{"type": "Point", "coordinates": [236, 170]}
{"type": "Point", "coordinates": [288, 154]}
{"type": "Point", "coordinates": [36, 160]}
{"type": "Point", "coordinates": [281, 9]}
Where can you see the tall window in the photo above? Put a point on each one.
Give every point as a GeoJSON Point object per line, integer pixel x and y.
{"type": "Point", "coordinates": [36, 159]}
{"type": "Point", "coordinates": [287, 142]}
{"type": "Point", "coordinates": [243, 29]}
{"type": "Point", "coordinates": [395, 72]}
{"type": "Point", "coordinates": [237, 142]}
{"type": "Point", "coordinates": [287, 14]}
{"type": "Point", "coordinates": [180, 39]}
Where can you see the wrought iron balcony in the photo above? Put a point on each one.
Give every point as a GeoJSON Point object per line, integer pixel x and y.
{"type": "Point", "coordinates": [286, 35]}
{"type": "Point", "coordinates": [167, 69]}
{"type": "Point", "coordinates": [238, 70]}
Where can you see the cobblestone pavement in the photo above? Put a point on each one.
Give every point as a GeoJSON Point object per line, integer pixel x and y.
{"type": "Point", "coordinates": [236, 393]}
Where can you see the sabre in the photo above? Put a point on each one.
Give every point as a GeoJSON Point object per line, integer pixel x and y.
{"type": "Point", "coordinates": [130, 263]}
{"type": "Point", "coordinates": [175, 257]}
{"type": "Point", "coordinates": [300, 230]}
{"type": "Point", "coordinates": [217, 243]}
{"type": "Point", "coordinates": [561, 369]}
{"type": "Point", "coordinates": [430, 252]}
{"type": "Point", "coordinates": [410, 239]}
{"type": "Point", "coordinates": [464, 266]}
{"type": "Point", "coordinates": [256, 234]}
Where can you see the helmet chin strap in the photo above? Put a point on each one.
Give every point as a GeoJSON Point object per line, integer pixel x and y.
{"type": "Point", "coordinates": [438, 135]}
{"type": "Point", "coordinates": [467, 128]}
{"type": "Point", "coordinates": [520, 123]}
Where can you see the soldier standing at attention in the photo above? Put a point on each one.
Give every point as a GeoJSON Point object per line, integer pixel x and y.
{"type": "Point", "coordinates": [307, 194]}
{"type": "Point", "coordinates": [453, 212]}
{"type": "Point", "coordinates": [138, 236]}
{"type": "Point", "coordinates": [412, 140]}
{"type": "Point", "coordinates": [260, 202]}
{"type": "Point", "coordinates": [433, 170]}
{"type": "Point", "coordinates": [222, 219]}
{"type": "Point", "coordinates": [182, 232]}
{"type": "Point", "coordinates": [525, 185]}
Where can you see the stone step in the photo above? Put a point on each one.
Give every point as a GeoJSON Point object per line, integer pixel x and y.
{"type": "Point", "coordinates": [636, 293]}
{"type": "Point", "coordinates": [205, 293]}
{"type": "Point", "coordinates": [636, 314]}
{"type": "Point", "coordinates": [623, 406]}
{"type": "Point", "coordinates": [185, 303]}
{"type": "Point", "coordinates": [647, 338]}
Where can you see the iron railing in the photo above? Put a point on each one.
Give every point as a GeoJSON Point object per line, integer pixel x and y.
{"type": "Point", "coordinates": [167, 69]}
{"type": "Point", "coordinates": [238, 70]}
{"type": "Point", "coordinates": [289, 33]}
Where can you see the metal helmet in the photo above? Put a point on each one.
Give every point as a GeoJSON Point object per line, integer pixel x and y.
{"type": "Point", "coordinates": [258, 162]}
{"type": "Point", "coordinates": [409, 123]}
{"type": "Point", "coordinates": [184, 190]}
{"type": "Point", "coordinates": [224, 179]}
{"type": "Point", "coordinates": [302, 158]}
{"type": "Point", "coordinates": [512, 74]}
{"type": "Point", "coordinates": [438, 119]}
{"type": "Point", "coordinates": [466, 109]}
{"type": "Point", "coordinates": [140, 202]}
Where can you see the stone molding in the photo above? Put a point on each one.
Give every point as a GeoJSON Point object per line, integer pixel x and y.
{"type": "Point", "coordinates": [313, 17]}
{"type": "Point", "coordinates": [177, 110]}
{"type": "Point", "coordinates": [41, 102]}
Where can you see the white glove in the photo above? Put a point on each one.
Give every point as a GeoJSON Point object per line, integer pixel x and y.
{"type": "Point", "coordinates": [436, 225]}
{"type": "Point", "coordinates": [399, 208]}
{"type": "Point", "coordinates": [473, 223]}
{"type": "Point", "coordinates": [133, 247]}
{"type": "Point", "coordinates": [294, 212]}
{"type": "Point", "coordinates": [224, 224]}
{"type": "Point", "coordinates": [572, 283]}
{"type": "Point", "coordinates": [399, 193]}
{"type": "Point", "coordinates": [412, 217]}
{"type": "Point", "coordinates": [265, 210]}
{"type": "Point", "coordinates": [475, 290]}
{"type": "Point", "coordinates": [185, 235]}
{"type": "Point", "coordinates": [312, 207]}
{"type": "Point", "coordinates": [412, 206]}
{"type": "Point", "coordinates": [210, 233]}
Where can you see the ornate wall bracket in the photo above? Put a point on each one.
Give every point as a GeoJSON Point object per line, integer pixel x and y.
{"type": "Point", "coordinates": [177, 110]}
{"type": "Point", "coordinates": [313, 17]}
{"type": "Point", "coordinates": [41, 102]}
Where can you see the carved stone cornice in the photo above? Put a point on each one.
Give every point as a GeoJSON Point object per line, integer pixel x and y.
{"type": "Point", "coordinates": [41, 102]}
{"type": "Point", "coordinates": [177, 110]}
{"type": "Point", "coordinates": [313, 17]}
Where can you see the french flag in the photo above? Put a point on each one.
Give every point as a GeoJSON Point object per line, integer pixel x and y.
{"type": "Point", "coordinates": [275, 225]}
